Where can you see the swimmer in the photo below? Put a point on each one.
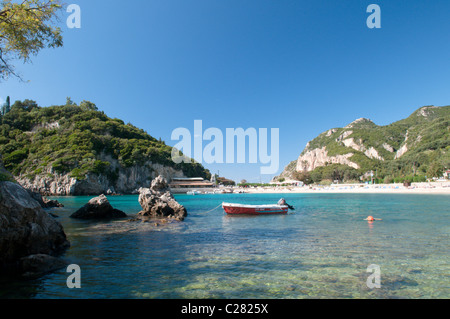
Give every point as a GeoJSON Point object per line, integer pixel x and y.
{"type": "Point", "coordinates": [371, 219]}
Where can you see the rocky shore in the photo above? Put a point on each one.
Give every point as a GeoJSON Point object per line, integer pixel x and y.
{"type": "Point", "coordinates": [31, 241]}
{"type": "Point", "coordinates": [127, 181]}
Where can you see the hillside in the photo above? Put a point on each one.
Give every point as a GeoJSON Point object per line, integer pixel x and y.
{"type": "Point", "coordinates": [77, 150]}
{"type": "Point", "coordinates": [413, 148]}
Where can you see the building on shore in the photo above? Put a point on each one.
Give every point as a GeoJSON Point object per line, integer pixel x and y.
{"type": "Point", "coordinates": [184, 185]}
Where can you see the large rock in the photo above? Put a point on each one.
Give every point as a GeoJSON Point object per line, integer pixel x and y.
{"type": "Point", "coordinates": [98, 208]}
{"type": "Point", "coordinates": [158, 201]}
{"type": "Point", "coordinates": [26, 230]}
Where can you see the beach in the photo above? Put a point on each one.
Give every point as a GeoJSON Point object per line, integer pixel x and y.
{"type": "Point", "coordinates": [438, 188]}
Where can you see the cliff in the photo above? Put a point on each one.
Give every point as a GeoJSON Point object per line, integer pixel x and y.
{"type": "Point", "coordinates": [417, 145]}
{"type": "Point", "coordinates": [78, 150]}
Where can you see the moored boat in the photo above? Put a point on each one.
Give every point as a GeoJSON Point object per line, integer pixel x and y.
{"type": "Point", "coordinates": [239, 209]}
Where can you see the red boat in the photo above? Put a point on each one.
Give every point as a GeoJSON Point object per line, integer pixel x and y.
{"type": "Point", "coordinates": [238, 209]}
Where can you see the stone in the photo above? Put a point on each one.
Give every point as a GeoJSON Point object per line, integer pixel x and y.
{"type": "Point", "coordinates": [158, 201]}
{"type": "Point", "coordinates": [35, 266]}
{"type": "Point", "coordinates": [44, 202]}
{"type": "Point", "coordinates": [27, 230]}
{"type": "Point", "coordinates": [98, 208]}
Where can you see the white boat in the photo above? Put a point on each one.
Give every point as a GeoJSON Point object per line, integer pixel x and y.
{"type": "Point", "coordinates": [194, 193]}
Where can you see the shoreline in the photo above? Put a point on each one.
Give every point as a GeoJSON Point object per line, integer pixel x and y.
{"type": "Point", "coordinates": [437, 188]}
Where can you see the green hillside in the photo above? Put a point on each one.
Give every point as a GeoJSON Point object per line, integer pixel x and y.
{"type": "Point", "coordinates": [78, 140]}
{"type": "Point", "coordinates": [413, 148]}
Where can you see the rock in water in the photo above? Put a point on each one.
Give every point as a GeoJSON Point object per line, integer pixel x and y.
{"type": "Point", "coordinates": [44, 202]}
{"type": "Point", "coordinates": [158, 201]}
{"type": "Point", "coordinates": [26, 230]}
{"type": "Point", "coordinates": [98, 208]}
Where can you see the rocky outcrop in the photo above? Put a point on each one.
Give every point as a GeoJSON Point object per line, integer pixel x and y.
{"type": "Point", "coordinates": [319, 157]}
{"type": "Point", "coordinates": [388, 148]}
{"type": "Point", "coordinates": [44, 202]}
{"type": "Point", "coordinates": [362, 122]}
{"type": "Point", "coordinates": [98, 208]}
{"type": "Point", "coordinates": [373, 153]}
{"type": "Point", "coordinates": [404, 148]}
{"type": "Point", "coordinates": [128, 180]}
{"type": "Point", "coordinates": [158, 201]}
{"type": "Point", "coordinates": [30, 239]}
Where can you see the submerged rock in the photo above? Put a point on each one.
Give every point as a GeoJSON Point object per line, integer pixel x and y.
{"type": "Point", "coordinates": [98, 208]}
{"type": "Point", "coordinates": [158, 201]}
{"type": "Point", "coordinates": [35, 266]}
{"type": "Point", "coordinates": [26, 230]}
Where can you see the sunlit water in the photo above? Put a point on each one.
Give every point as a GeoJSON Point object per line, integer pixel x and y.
{"type": "Point", "coordinates": [322, 250]}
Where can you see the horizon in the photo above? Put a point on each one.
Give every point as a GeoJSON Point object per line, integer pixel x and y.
{"type": "Point", "coordinates": [302, 67]}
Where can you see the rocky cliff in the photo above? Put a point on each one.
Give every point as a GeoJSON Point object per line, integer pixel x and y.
{"type": "Point", "coordinates": [129, 180]}
{"type": "Point", "coordinates": [78, 150]}
{"type": "Point", "coordinates": [415, 145]}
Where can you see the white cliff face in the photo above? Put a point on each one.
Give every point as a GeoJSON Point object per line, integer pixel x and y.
{"type": "Point", "coordinates": [403, 149]}
{"type": "Point", "coordinates": [350, 142]}
{"type": "Point", "coordinates": [46, 126]}
{"type": "Point", "coordinates": [319, 157]}
{"type": "Point", "coordinates": [129, 180]}
{"type": "Point", "coordinates": [426, 111]}
{"type": "Point", "coordinates": [358, 146]}
{"type": "Point", "coordinates": [388, 148]}
{"type": "Point", "coordinates": [331, 132]}
{"type": "Point", "coordinates": [344, 136]}
{"type": "Point", "coordinates": [373, 153]}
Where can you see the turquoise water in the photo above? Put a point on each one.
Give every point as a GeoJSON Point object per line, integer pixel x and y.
{"type": "Point", "coordinates": [322, 250]}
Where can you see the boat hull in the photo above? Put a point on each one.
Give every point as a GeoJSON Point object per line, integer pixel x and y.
{"type": "Point", "coordinates": [236, 209]}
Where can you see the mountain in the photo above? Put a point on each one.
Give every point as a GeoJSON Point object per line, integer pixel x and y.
{"type": "Point", "coordinates": [417, 146]}
{"type": "Point", "coordinates": [78, 150]}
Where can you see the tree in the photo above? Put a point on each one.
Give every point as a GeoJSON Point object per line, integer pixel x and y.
{"type": "Point", "coordinates": [303, 176]}
{"type": "Point", "coordinates": [86, 105]}
{"type": "Point", "coordinates": [69, 102]}
{"type": "Point", "coordinates": [435, 170]}
{"type": "Point", "coordinates": [25, 29]}
{"type": "Point", "coordinates": [26, 105]}
{"type": "Point", "coordinates": [6, 107]}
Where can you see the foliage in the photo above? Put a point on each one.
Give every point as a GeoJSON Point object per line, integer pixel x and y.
{"type": "Point", "coordinates": [226, 182]}
{"type": "Point", "coordinates": [426, 133]}
{"type": "Point", "coordinates": [78, 140]}
{"type": "Point", "coordinates": [26, 27]}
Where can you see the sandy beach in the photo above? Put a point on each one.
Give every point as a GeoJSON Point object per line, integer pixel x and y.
{"type": "Point", "coordinates": [441, 188]}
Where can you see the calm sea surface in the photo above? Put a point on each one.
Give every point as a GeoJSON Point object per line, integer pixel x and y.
{"type": "Point", "coordinates": [322, 250]}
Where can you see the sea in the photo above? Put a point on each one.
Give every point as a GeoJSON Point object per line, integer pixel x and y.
{"type": "Point", "coordinates": [324, 249]}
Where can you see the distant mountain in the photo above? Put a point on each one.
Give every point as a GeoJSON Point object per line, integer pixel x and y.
{"type": "Point", "coordinates": [77, 150]}
{"type": "Point", "coordinates": [417, 146]}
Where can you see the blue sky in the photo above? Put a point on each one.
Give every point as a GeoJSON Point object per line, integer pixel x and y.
{"type": "Point", "coordinates": [300, 66]}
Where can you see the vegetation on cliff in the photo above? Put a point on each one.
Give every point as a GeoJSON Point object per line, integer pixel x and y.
{"type": "Point", "coordinates": [77, 140]}
{"type": "Point", "coordinates": [412, 149]}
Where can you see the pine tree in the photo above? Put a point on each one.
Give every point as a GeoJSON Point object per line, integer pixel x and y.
{"type": "Point", "coordinates": [7, 105]}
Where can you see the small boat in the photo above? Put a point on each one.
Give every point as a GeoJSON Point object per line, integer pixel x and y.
{"type": "Point", "coordinates": [194, 193]}
{"type": "Point", "coordinates": [238, 209]}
